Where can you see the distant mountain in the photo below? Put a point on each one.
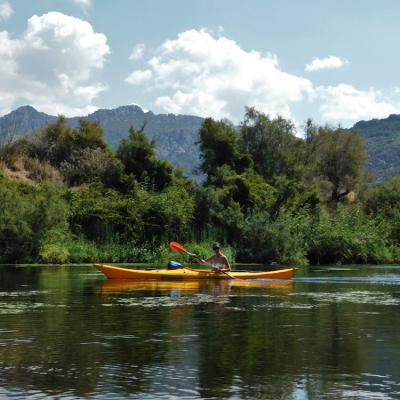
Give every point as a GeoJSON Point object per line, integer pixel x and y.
{"type": "Point", "coordinates": [23, 121]}
{"type": "Point", "coordinates": [382, 138]}
{"type": "Point", "coordinates": [175, 135]}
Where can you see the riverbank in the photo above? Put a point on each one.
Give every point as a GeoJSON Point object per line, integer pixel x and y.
{"type": "Point", "coordinates": [67, 197]}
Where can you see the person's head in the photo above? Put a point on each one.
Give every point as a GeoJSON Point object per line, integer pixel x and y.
{"type": "Point", "coordinates": [216, 247]}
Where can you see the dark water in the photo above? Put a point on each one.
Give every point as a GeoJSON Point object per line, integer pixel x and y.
{"type": "Point", "coordinates": [330, 334]}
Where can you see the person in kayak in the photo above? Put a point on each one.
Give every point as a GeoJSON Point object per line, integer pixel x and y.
{"type": "Point", "coordinates": [218, 261]}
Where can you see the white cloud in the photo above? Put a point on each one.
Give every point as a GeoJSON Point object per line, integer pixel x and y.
{"type": "Point", "coordinates": [5, 10]}
{"type": "Point", "coordinates": [138, 105]}
{"type": "Point", "coordinates": [331, 62]}
{"type": "Point", "coordinates": [344, 103]}
{"type": "Point", "coordinates": [84, 4]}
{"type": "Point", "coordinates": [51, 65]}
{"type": "Point", "coordinates": [137, 52]}
{"type": "Point", "coordinates": [140, 76]}
{"type": "Point", "coordinates": [197, 73]}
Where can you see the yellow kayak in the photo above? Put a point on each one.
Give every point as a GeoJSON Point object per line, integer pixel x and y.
{"type": "Point", "coordinates": [112, 272]}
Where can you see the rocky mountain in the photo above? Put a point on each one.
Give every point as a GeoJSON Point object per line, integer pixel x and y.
{"type": "Point", "coordinates": [382, 138]}
{"type": "Point", "coordinates": [23, 121]}
{"type": "Point", "coordinates": [175, 135]}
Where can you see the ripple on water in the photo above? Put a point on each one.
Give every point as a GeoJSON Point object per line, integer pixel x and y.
{"type": "Point", "coordinates": [115, 337]}
{"type": "Point", "coordinates": [358, 297]}
{"type": "Point", "coordinates": [157, 302]}
{"type": "Point", "coordinates": [18, 308]}
{"type": "Point", "coordinates": [285, 305]}
{"type": "Point", "coordinates": [6, 330]}
{"type": "Point", "coordinates": [365, 386]}
{"type": "Point", "coordinates": [12, 303]}
{"type": "Point", "coordinates": [388, 279]}
{"type": "Point", "coordinates": [23, 293]}
{"type": "Point", "coordinates": [364, 394]}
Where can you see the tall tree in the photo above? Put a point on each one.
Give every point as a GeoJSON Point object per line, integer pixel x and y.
{"type": "Point", "coordinates": [272, 144]}
{"type": "Point", "coordinates": [341, 159]}
{"type": "Point", "coordinates": [58, 142]}
{"type": "Point", "coordinates": [219, 146]}
{"type": "Point", "coordinates": [138, 156]}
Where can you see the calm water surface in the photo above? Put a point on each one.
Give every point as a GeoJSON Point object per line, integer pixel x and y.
{"type": "Point", "coordinates": [65, 332]}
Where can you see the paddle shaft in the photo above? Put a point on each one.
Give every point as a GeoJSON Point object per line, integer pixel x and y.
{"type": "Point", "coordinates": [178, 247]}
{"type": "Point", "coordinates": [215, 269]}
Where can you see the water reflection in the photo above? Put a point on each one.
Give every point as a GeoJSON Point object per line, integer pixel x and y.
{"type": "Point", "coordinates": [68, 333]}
{"type": "Point", "coordinates": [194, 286]}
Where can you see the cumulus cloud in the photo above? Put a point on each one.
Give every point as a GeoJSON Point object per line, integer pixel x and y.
{"type": "Point", "coordinates": [5, 10]}
{"type": "Point", "coordinates": [137, 52]}
{"type": "Point", "coordinates": [197, 73]}
{"type": "Point", "coordinates": [138, 105]}
{"type": "Point", "coordinates": [331, 62]}
{"type": "Point", "coordinates": [344, 103]}
{"type": "Point", "coordinates": [51, 65]}
{"type": "Point", "coordinates": [139, 76]}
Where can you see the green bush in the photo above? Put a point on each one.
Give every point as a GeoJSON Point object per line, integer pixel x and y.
{"type": "Point", "coordinates": [54, 254]}
{"type": "Point", "coordinates": [282, 240]}
{"type": "Point", "coordinates": [264, 197]}
{"type": "Point", "coordinates": [349, 235]}
{"type": "Point", "coordinates": [29, 215]}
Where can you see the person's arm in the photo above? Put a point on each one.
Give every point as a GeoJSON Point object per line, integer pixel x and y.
{"type": "Point", "coordinates": [227, 264]}
{"type": "Point", "coordinates": [201, 261]}
{"type": "Point", "coordinates": [209, 260]}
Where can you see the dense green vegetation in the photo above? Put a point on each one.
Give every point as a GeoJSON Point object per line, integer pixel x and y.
{"type": "Point", "coordinates": [268, 196]}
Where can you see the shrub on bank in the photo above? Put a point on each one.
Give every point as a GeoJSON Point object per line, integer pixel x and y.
{"type": "Point", "coordinates": [281, 240]}
{"type": "Point", "coordinates": [351, 236]}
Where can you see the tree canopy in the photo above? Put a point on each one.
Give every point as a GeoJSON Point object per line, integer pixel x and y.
{"type": "Point", "coordinates": [269, 195]}
{"type": "Point", "coordinates": [138, 157]}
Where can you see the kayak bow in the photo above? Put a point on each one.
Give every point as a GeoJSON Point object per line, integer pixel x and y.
{"type": "Point", "coordinates": [112, 272]}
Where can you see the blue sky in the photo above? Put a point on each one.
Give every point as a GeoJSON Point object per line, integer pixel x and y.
{"type": "Point", "coordinates": [333, 61]}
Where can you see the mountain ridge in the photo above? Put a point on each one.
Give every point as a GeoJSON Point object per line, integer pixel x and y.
{"type": "Point", "coordinates": [176, 135]}
{"type": "Point", "coordinates": [382, 139]}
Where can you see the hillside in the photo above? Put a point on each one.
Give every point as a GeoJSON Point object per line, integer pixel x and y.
{"type": "Point", "coordinates": [175, 135]}
{"type": "Point", "coordinates": [382, 137]}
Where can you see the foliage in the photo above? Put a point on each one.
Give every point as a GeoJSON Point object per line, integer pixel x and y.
{"type": "Point", "coordinates": [66, 196]}
{"type": "Point", "coordinates": [248, 189]}
{"type": "Point", "coordinates": [59, 141]}
{"type": "Point", "coordinates": [351, 236]}
{"type": "Point", "coordinates": [165, 214]}
{"type": "Point", "coordinates": [383, 200]}
{"type": "Point", "coordinates": [219, 147]}
{"type": "Point", "coordinates": [92, 165]}
{"type": "Point", "coordinates": [274, 148]}
{"type": "Point", "coordinates": [137, 155]}
{"type": "Point", "coordinates": [283, 239]}
{"type": "Point", "coordinates": [12, 148]}
{"type": "Point", "coordinates": [340, 159]}
{"type": "Point", "coordinates": [28, 218]}
{"type": "Point", "coordinates": [99, 213]}
{"type": "Point", "coordinates": [54, 254]}
{"type": "Point", "coordinates": [384, 197]}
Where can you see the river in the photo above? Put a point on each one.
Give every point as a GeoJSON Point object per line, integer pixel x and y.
{"type": "Point", "coordinates": [332, 333]}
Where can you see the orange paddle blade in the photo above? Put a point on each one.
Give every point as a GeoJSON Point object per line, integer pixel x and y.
{"type": "Point", "coordinates": [177, 247]}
